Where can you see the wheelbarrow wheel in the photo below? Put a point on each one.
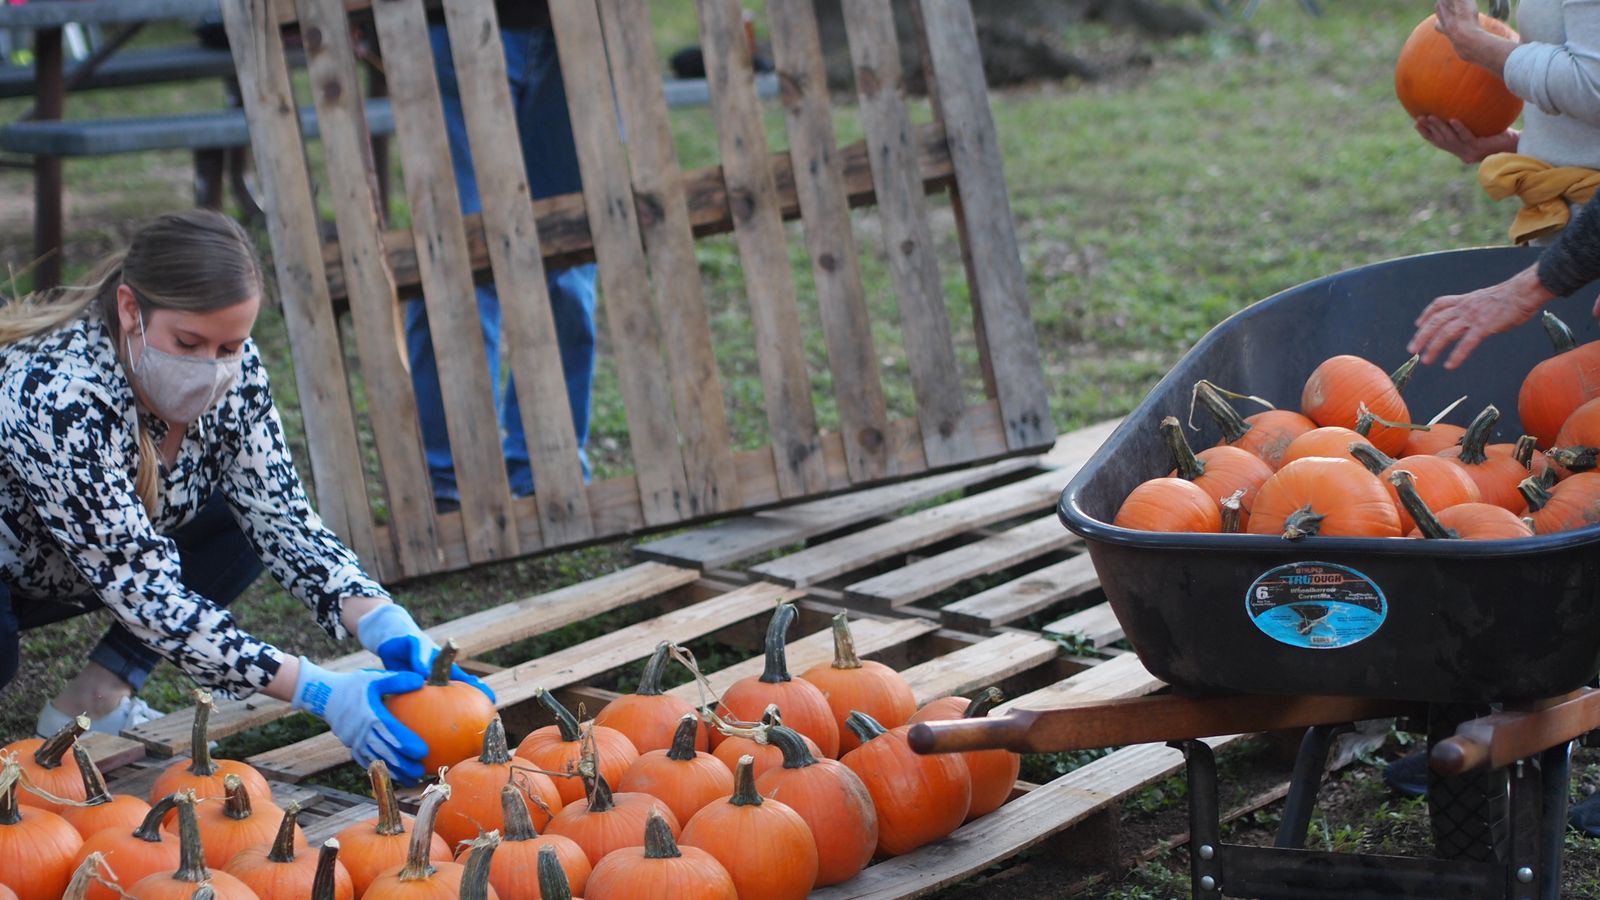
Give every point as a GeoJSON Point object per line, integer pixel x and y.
{"type": "Point", "coordinates": [1469, 812]}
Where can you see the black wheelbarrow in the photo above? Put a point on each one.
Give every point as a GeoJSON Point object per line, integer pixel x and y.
{"type": "Point", "coordinates": [1446, 630]}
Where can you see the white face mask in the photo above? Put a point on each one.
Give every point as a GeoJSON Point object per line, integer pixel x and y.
{"type": "Point", "coordinates": [180, 388]}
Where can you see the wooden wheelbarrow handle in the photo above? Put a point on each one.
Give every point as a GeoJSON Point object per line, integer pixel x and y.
{"type": "Point", "coordinates": [1142, 720]}
{"type": "Point", "coordinates": [1502, 738]}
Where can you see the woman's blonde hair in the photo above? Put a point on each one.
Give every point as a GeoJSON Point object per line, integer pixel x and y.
{"type": "Point", "coordinates": [193, 261]}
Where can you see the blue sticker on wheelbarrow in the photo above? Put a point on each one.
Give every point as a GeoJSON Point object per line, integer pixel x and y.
{"type": "Point", "coordinates": [1316, 605]}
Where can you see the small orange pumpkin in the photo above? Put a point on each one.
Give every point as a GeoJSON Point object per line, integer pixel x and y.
{"type": "Point", "coordinates": [1341, 385]}
{"type": "Point", "coordinates": [1319, 495]}
{"type": "Point", "coordinates": [37, 847]}
{"type": "Point", "coordinates": [559, 747]}
{"type": "Point", "coordinates": [756, 744]}
{"type": "Point", "coordinates": [1432, 80]}
{"type": "Point", "coordinates": [1439, 483]}
{"type": "Point", "coordinates": [380, 844]}
{"type": "Point", "coordinates": [1330, 441]}
{"type": "Point", "coordinates": [450, 716]}
{"type": "Point", "coordinates": [872, 687]}
{"type": "Point", "coordinates": [994, 772]}
{"type": "Point", "coordinates": [918, 798]}
{"type": "Point", "coordinates": [421, 878]}
{"type": "Point", "coordinates": [1219, 471]}
{"type": "Point", "coordinates": [139, 853]}
{"type": "Point", "coordinates": [1169, 505]}
{"type": "Point", "coordinates": [1573, 503]}
{"type": "Point", "coordinates": [660, 869]}
{"type": "Point", "coordinates": [205, 775]}
{"type": "Point", "coordinates": [1266, 434]}
{"type": "Point", "coordinates": [805, 709]}
{"type": "Point", "coordinates": [192, 870]}
{"type": "Point", "coordinates": [765, 845]}
{"type": "Point", "coordinates": [104, 809]}
{"type": "Point", "coordinates": [832, 800]}
{"type": "Point", "coordinates": [517, 871]}
{"type": "Point", "coordinates": [276, 872]}
{"type": "Point", "coordinates": [234, 825]}
{"type": "Point", "coordinates": [683, 778]}
{"type": "Point", "coordinates": [1469, 521]}
{"type": "Point", "coordinates": [1495, 472]}
{"type": "Point", "coordinates": [48, 763]}
{"type": "Point", "coordinates": [602, 821]}
{"type": "Point", "coordinates": [1558, 385]}
{"type": "Point", "coordinates": [474, 805]}
{"type": "Point", "coordinates": [650, 716]}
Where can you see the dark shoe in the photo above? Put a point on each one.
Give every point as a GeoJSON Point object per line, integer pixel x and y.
{"type": "Point", "coordinates": [1408, 775]}
{"type": "Point", "coordinates": [1585, 815]}
{"type": "Point", "coordinates": [446, 505]}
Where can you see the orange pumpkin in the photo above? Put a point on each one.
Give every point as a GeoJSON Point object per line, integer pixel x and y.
{"type": "Point", "coordinates": [683, 778]}
{"type": "Point", "coordinates": [1495, 472]}
{"type": "Point", "coordinates": [275, 872]}
{"type": "Point", "coordinates": [765, 845]}
{"type": "Point", "coordinates": [649, 716]}
{"type": "Point", "coordinates": [1432, 80]}
{"type": "Point", "coordinates": [1169, 504]}
{"type": "Point", "coordinates": [474, 805]}
{"type": "Point", "coordinates": [139, 853]}
{"type": "Point", "coordinates": [994, 772]}
{"type": "Point", "coordinates": [1318, 495]}
{"type": "Point", "coordinates": [756, 744]}
{"type": "Point", "coordinates": [205, 775]}
{"type": "Point", "coordinates": [516, 873]}
{"type": "Point", "coordinates": [559, 747]}
{"type": "Point", "coordinates": [379, 844]}
{"type": "Point", "coordinates": [832, 800]}
{"type": "Point", "coordinates": [1577, 444]}
{"type": "Point", "coordinates": [1573, 503]}
{"type": "Point", "coordinates": [1559, 385]}
{"type": "Point", "coordinates": [1436, 437]}
{"type": "Point", "coordinates": [1219, 471]}
{"type": "Point", "coordinates": [1265, 434]}
{"type": "Point", "coordinates": [233, 825]}
{"type": "Point", "coordinates": [1439, 483]}
{"type": "Point", "coordinates": [421, 878]}
{"type": "Point", "coordinates": [1329, 441]}
{"type": "Point", "coordinates": [37, 847]}
{"type": "Point", "coordinates": [192, 869]}
{"type": "Point", "coordinates": [1341, 385]}
{"type": "Point", "coordinates": [1468, 521]}
{"type": "Point", "coordinates": [872, 687]}
{"type": "Point", "coordinates": [450, 716]}
{"type": "Point", "coordinates": [602, 821]}
{"type": "Point", "coordinates": [48, 763]}
{"type": "Point", "coordinates": [655, 866]}
{"type": "Point", "coordinates": [918, 798]}
{"type": "Point", "coordinates": [805, 709]}
{"type": "Point", "coordinates": [104, 809]}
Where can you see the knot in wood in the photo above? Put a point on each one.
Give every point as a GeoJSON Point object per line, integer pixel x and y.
{"type": "Point", "coordinates": [741, 203]}
{"type": "Point", "coordinates": [312, 39]}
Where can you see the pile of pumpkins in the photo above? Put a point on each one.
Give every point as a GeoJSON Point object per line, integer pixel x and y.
{"type": "Point", "coordinates": [1351, 463]}
{"type": "Point", "coordinates": [786, 784]}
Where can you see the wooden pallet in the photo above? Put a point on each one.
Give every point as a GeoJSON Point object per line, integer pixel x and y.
{"type": "Point", "coordinates": [939, 576]}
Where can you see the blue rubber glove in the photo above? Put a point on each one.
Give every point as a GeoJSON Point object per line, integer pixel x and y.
{"type": "Point", "coordinates": [352, 703]}
{"type": "Point", "coordinates": [390, 632]}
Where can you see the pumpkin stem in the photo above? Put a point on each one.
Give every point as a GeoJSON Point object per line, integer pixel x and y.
{"type": "Point", "coordinates": [10, 808]}
{"type": "Point", "coordinates": [1534, 492]}
{"type": "Point", "coordinates": [684, 738]}
{"type": "Point", "coordinates": [149, 830]}
{"type": "Point", "coordinates": [565, 721]}
{"type": "Point", "coordinates": [1577, 458]}
{"type": "Point", "coordinates": [650, 678]}
{"type": "Point", "coordinates": [770, 716]}
{"type": "Point", "coordinates": [1402, 376]}
{"type": "Point", "coordinates": [325, 883]}
{"type": "Point", "coordinates": [204, 892]}
{"type": "Point", "coordinates": [1405, 484]}
{"type": "Point", "coordinates": [1302, 523]}
{"type": "Point", "coordinates": [981, 704]}
{"type": "Point", "coordinates": [419, 867]}
{"type": "Point", "coordinates": [599, 793]}
{"type": "Point", "coordinates": [1533, 527]}
{"type": "Point", "coordinates": [95, 792]}
{"type": "Point", "coordinates": [282, 850]}
{"type": "Point", "coordinates": [1188, 465]}
{"type": "Point", "coordinates": [1374, 459]}
{"type": "Point", "coordinates": [1523, 451]}
{"type": "Point", "coordinates": [53, 751]}
{"type": "Point", "coordinates": [200, 762]}
{"type": "Point", "coordinates": [1561, 339]}
{"type": "Point", "coordinates": [1475, 443]}
{"type": "Point", "coordinates": [658, 841]}
{"type": "Point", "coordinates": [1232, 512]}
{"type": "Point", "coordinates": [865, 727]}
{"type": "Point", "coordinates": [443, 662]}
{"type": "Point", "coordinates": [191, 854]}
{"type": "Point", "coordinates": [744, 783]}
{"type": "Point", "coordinates": [796, 755]}
{"type": "Point", "coordinates": [1228, 419]}
{"type": "Point", "coordinates": [1364, 420]}
{"type": "Point", "coordinates": [86, 874]}
{"type": "Point", "coordinates": [844, 644]}
{"type": "Point", "coordinates": [495, 750]}
{"type": "Point", "coordinates": [553, 883]}
{"type": "Point", "coordinates": [514, 813]}
{"type": "Point", "coordinates": [390, 821]}
{"type": "Point", "coordinates": [777, 670]}
{"type": "Point", "coordinates": [237, 804]}
{"type": "Point", "coordinates": [475, 874]}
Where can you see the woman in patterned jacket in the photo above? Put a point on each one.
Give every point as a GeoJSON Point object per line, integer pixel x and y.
{"type": "Point", "coordinates": [143, 470]}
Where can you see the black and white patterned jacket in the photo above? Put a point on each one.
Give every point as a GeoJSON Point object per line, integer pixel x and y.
{"type": "Point", "coordinates": [71, 524]}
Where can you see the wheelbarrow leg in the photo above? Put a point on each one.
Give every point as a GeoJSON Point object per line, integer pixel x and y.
{"type": "Point", "coordinates": [1538, 824]}
{"type": "Point", "coordinates": [1205, 827]}
{"type": "Point", "coordinates": [1555, 767]}
{"type": "Point", "coordinates": [1309, 765]}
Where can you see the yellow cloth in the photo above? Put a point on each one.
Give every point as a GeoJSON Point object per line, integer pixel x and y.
{"type": "Point", "coordinates": [1545, 190]}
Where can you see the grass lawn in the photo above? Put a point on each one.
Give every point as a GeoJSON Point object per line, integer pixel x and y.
{"type": "Point", "coordinates": [1150, 205]}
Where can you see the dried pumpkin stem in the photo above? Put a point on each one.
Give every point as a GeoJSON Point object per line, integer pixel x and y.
{"type": "Point", "coordinates": [149, 830]}
{"type": "Point", "coordinates": [1228, 419]}
{"type": "Point", "coordinates": [95, 792]}
{"type": "Point", "coordinates": [777, 670]}
{"type": "Point", "coordinates": [1188, 465]}
{"type": "Point", "coordinates": [980, 706]}
{"type": "Point", "coordinates": [53, 751]}
{"type": "Point", "coordinates": [496, 752]}
{"type": "Point", "coordinates": [796, 755]}
{"type": "Point", "coordinates": [514, 813]}
{"type": "Point", "coordinates": [282, 850]}
{"type": "Point", "coordinates": [1402, 376]}
{"type": "Point", "coordinates": [1233, 512]}
{"type": "Point", "coordinates": [87, 873]}
{"type": "Point", "coordinates": [1561, 339]}
{"type": "Point", "coordinates": [864, 726]}
{"type": "Point", "coordinates": [200, 762]}
{"type": "Point", "coordinates": [1577, 458]}
{"type": "Point", "coordinates": [191, 854]}
{"type": "Point", "coordinates": [475, 875]}
{"type": "Point", "coordinates": [1475, 443]}
{"type": "Point", "coordinates": [654, 668]}
{"type": "Point", "coordinates": [10, 808]}
{"type": "Point", "coordinates": [844, 644]}
{"type": "Point", "coordinates": [324, 885]}
{"type": "Point", "coordinates": [443, 662]}
{"type": "Point", "coordinates": [683, 738]}
{"type": "Point", "coordinates": [658, 841]}
{"type": "Point", "coordinates": [1534, 492]}
{"type": "Point", "coordinates": [1374, 459]}
{"type": "Point", "coordinates": [1303, 522]}
{"type": "Point", "coordinates": [553, 883]}
{"type": "Point", "coordinates": [390, 822]}
{"type": "Point", "coordinates": [565, 721]}
{"type": "Point", "coordinates": [1405, 485]}
{"type": "Point", "coordinates": [744, 783]}
{"type": "Point", "coordinates": [237, 803]}
{"type": "Point", "coordinates": [1523, 451]}
{"type": "Point", "coordinates": [419, 864]}
{"type": "Point", "coordinates": [599, 793]}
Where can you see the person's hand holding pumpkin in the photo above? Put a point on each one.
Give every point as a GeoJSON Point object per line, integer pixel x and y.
{"type": "Point", "coordinates": [1456, 138]}
{"type": "Point", "coordinates": [1466, 319]}
{"type": "Point", "coordinates": [1458, 21]}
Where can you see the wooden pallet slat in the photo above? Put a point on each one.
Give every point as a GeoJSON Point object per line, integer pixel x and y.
{"type": "Point", "coordinates": [1117, 679]}
{"type": "Point", "coordinates": [1024, 596]}
{"type": "Point", "coordinates": [979, 665]}
{"type": "Point", "coordinates": [1098, 625]}
{"type": "Point", "coordinates": [933, 574]}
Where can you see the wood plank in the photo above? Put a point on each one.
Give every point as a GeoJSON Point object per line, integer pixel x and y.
{"type": "Point", "coordinates": [1001, 291]}
{"type": "Point", "coordinates": [763, 250]}
{"type": "Point", "coordinates": [1116, 679]}
{"type": "Point", "coordinates": [929, 576]}
{"type": "Point", "coordinates": [1097, 625]}
{"type": "Point", "coordinates": [624, 279]}
{"type": "Point", "coordinates": [979, 665]}
{"type": "Point", "coordinates": [563, 223]}
{"type": "Point", "coordinates": [298, 761]}
{"type": "Point", "coordinates": [374, 310]}
{"type": "Point", "coordinates": [528, 326]}
{"type": "Point", "coordinates": [1022, 597]}
{"type": "Point", "coordinates": [330, 825]}
{"type": "Point", "coordinates": [907, 237]}
{"type": "Point", "coordinates": [475, 633]}
{"type": "Point", "coordinates": [870, 545]}
{"type": "Point", "coordinates": [1017, 825]}
{"type": "Point", "coordinates": [447, 287]}
{"type": "Point", "coordinates": [730, 540]}
{"type": "Point", "coordinates": [274, 122]}
{"type": "Point", "coordinates": [835, 267]}
{"type": "Point", "coordinates": [109, 751]}
{"type": "Point", "coordinates": [658, 185]}
{"type": "Point", "coordinates": [871, 636]}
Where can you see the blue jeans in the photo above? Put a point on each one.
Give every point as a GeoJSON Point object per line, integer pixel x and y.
{"type": "Point", "coordinates": [218, 563]}
{"type": "Point", "coordinates": [540, 103]}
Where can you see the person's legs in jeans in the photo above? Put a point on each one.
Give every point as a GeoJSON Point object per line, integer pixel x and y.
{"type": "Point", "coordinates": [10, 638]}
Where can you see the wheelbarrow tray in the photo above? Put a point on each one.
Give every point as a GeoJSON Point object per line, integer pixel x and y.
{"type": "Point", "coordinates": [1437, 620]}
